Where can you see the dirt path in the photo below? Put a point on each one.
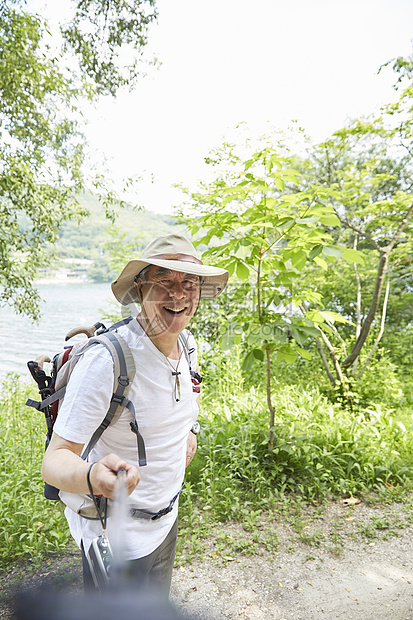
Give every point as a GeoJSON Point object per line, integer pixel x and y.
{"type": "Point", "coordinates": [329, 562]}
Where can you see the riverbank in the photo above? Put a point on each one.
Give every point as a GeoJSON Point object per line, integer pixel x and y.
{"type": "Point", "coordinates": [57, 281]}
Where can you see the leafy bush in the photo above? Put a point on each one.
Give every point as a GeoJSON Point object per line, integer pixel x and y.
{"type": "Point", "coordinates": [320, 447]}
{"type": "Point", "coordinates": [380, 382]}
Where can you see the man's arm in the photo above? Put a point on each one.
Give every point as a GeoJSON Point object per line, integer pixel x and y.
{"type": "Point", "coordinates": [191, 444]}
{"type": "Point", "coordinates": [64, 469]}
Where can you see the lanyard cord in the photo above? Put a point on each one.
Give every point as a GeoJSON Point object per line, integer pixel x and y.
{"type": "Point", "coordinates": [101, 517]}
{"type": "Point", "coordinates": [175, 372]}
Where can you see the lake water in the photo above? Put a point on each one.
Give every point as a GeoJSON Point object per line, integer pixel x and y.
{"type": "Point", "coordinates": [65, 306]}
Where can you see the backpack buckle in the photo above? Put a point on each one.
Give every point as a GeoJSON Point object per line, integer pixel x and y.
{"type": "Point", "coordinates": [123, 380]}
{"type": "Point", "coordinates": [118, 399]}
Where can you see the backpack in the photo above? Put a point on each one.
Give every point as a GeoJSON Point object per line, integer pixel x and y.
{"type": "Point", "coordinates": [52, 387]}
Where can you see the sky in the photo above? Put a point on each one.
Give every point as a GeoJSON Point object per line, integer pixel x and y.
{"type": "Point", "coordinates": [262, 62]}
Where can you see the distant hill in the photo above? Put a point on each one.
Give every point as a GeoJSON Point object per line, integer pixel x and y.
{"type": "Point", "coordinates": [83, 248]}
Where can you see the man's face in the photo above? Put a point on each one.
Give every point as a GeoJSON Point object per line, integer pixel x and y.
{"type": "Point", "coordinates": [170, 299]}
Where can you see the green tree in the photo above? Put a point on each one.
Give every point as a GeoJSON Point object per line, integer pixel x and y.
{"type": "Point", "coordinates": [103, 33]}
{"type": "Point", "coordinates": [42, 150]}
{"type": "Point", "coordinates": [369, 176]}
{"type": "Point", "coordinates": [264, 230]}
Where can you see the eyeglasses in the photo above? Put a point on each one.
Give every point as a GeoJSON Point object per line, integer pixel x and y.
{"type": "Point", "coordinates": [189, 284]}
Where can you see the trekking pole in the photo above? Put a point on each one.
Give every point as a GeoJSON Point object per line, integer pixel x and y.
{"type": "Point", "coordinates": [107, 564]}
{"type": "Point", "coordinates": [117, 528]}
{"type": "Point", "coordinates": [45, 389]}
{"type": "Point", "coordinates": [44, 383]}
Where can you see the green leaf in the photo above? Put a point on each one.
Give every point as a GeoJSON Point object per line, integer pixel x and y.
{"type": "Point", "coordinates": [279, 183]}
{"type": "Point", "coordinates": [320, 262]}
{"type": "Point", "coordinates": [279, 334]}
{"type": "Point", "coordinates": [321, 316]}
{"type": "Point", "coordinates": [330, 220]}
{"type": "Point", "coordinates": [317, 249]}
{"type": "Point", "coordinates": [353, 256]}
{"type": "Point", "coordinates": [243, 250]}
{"type": "Point", "coordinates": [228, 199]}
{"type": "Point", "coordinates": [312, 219]}
{"type": "Point", "coordinates": [270, 202]}
{"type": "Point", "coordinates": [243, 272]}
{"type": "Point", "coordinates": [286, 354]}
{"type": "Point", "coordinates": [231, 267]}
{"type": "Point", "coordinates": [227, 340]}
{"type": "Point", "coordinates": [292, 177]}
{"type": "Point", "coordinates": [333, 251]}
{"type": "Point", "coordinates": [310, 331]}
{"type": "Point", "coordinates": [248, 361]}
{"type": "Point", "coordinates": [304, 354]}
{"type": "Point", "coordinates": [333, 317]}
{"type": "Point", "coordinates": [258, 354]}
{"type": "Point", "coordinates": [315, 316]}
{"type": "Point", "coordinates": [299, 338]}
{"type": "Point", "coordinates": [245, 242]}
{"type": "Point", "coordinates": [299, 259]}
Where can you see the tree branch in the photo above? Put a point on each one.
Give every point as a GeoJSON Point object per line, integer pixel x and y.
{"type": "Point", "coordinates": [325, 362]}
{"type": "Point", "coordinates": [337, 333]}
{"type": "Point", "coordinates": [333, 356]}
{"type": "Point", "coordinates": [380, 334]}
{"type": "Point", "coordinates": [357, 230]}
{"type": "Point", "coordinates": [399, 231]}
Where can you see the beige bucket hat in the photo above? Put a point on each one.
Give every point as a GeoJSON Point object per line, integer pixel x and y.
{"type": "Point", "coordinates": [175, 252]}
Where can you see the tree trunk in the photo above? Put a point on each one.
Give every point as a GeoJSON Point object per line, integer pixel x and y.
{"type": "Point", "coordinates": [381, 273]}
{"type": "Point", "coordinates": [269, 402]}
{"type": "Point", "coordinates": [380, 334]}
{"type": "Point", "coordinates": [358, 302]}
{"type": "Point", "coordinates": [364, 332]}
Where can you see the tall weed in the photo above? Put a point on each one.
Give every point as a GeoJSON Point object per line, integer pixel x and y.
{"type": "Point", "coordinates": [320, 447]}
{"type": "Point", "coordinates": [30, 525]}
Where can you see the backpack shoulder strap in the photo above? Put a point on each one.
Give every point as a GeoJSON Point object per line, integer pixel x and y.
{"type": "Point", "coordinates": [115, 326]}
{"type": "Point", "coordinates": [183, 340]}
{"type": "Point", "coordinates": [124, 372]}
{"type": "Point", "coordinates": [196, 378]}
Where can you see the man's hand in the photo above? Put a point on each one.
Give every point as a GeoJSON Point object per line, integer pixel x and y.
{"type": "Point", "coordinates": [103, 475]}
{"type": "Point", "coordinates": [191, 445]}
{"type": "Point", "coordinates": [63, 468]}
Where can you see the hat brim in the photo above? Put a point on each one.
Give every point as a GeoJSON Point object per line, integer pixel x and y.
{"type": "Point", "coordinates": [214, 278]}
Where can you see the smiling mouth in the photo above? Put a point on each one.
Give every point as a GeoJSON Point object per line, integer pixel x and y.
{"type": "Point", "coordinates": [174, 310]}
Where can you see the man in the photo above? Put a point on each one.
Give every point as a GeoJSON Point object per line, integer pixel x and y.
{"type": "Point", "coordinates": [168, 281]}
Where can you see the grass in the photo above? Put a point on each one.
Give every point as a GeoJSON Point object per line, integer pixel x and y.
{"type": "Point", "coordinates": [322, 450]}
{"type": "Point", "coordinates": [30, 526]}
{"type": "Point", "coordinates": [321, 531]}
{"type": "Point", "coordinates": [319, 449]}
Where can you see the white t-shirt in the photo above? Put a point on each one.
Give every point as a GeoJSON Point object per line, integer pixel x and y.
{"type": "Point", "coordinates": [163, 423]}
